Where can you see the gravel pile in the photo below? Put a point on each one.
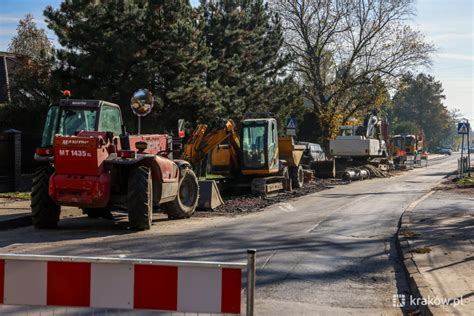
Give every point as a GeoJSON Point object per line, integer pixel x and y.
{"type": "Point", "coordinates": [234, 205]}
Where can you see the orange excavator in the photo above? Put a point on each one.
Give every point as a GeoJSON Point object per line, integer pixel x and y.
{"type": "Point", "coordinates": [252, 157]}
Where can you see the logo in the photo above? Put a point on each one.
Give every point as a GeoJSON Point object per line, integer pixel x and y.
{"type": "Point", "coordinates": [398, 300]}
{"type": "Point", "coordinates": [75, 142]}
{"type": "Point", "coordinates": [402, 300]}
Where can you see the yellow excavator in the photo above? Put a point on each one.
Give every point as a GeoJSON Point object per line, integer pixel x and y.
{"type": "Point", "coordinates": [253, 157]}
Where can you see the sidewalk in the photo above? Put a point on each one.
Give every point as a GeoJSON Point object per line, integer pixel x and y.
{"type": "Point", "coordinates": [436, 238]}
{"type": "Point", "coordinates": [17, 213]}
{"type": "Point", "coordinates": [14, 213]}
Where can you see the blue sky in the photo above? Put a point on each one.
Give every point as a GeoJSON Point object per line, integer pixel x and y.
{"type": "Point", "coordinates": [446, 23]}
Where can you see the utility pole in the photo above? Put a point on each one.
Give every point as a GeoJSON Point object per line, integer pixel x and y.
{"type": "Point", "coordinates": [464, 128]}
{"type": "Point", "coordinates": [468, 148]}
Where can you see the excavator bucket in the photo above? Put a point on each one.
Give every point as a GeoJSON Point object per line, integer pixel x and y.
{"type": "Point", "coordinates": [209, 195]}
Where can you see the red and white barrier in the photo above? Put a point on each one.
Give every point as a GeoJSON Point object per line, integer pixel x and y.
{"type": "Point", "coordinates": [183, 286]}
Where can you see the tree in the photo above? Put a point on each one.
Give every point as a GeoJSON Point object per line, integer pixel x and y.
{"type": "Point", "coordinates": [344, 49]}
{"type": "Point", "coordinates": [110, 49]}
{"type": "Point", "coordinates": [31, 87]}
{"type": "Point", "coordinates": [420, 100]}
{"type": "Point", "coordinates": [31, 41]}
{"type": "Point", "coordinates": [405, 127]}
{"type": "Point", "coordinates": [250, 73]}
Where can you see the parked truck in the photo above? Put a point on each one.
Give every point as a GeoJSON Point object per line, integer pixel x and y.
{"type": "Point", "coordinates": [408, 151]}
{"type": "Point", "coordinates": [91, 162]}
{"type": "Point", "coordinates": [360, 142]}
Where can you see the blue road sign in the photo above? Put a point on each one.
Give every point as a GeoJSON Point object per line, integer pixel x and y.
{"type": "Point", "coordinates": [464, 128]}
{"type": "Point", "coordinates": [291, 123]}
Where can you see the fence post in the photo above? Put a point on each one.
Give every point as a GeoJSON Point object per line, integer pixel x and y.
{"type": "Point", "coordinates": [251, 268]}
{"type": "Point", "coordinates": [14, 153]}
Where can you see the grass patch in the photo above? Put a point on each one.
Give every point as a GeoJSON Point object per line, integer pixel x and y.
{"type": "Point", "coordinates": [409, 233]}
{"type": "Point", "coordinates": [421, 250]}
{"type": "Point", "coordinates": [16, 195]}
{"type": "Point", "coordinates": [467, 182]}
{"type": "Point", "coordinates": [212, 177]}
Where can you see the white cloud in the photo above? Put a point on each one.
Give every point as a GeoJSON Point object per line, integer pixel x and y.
{"type": "Point", "coordinates": [451, 36]}
{"type": "Point", "coordinates": [9, 19]}
{"type": "Point", "coordinates": [7, 31]}
{"type": "Point", "coordinates": [454, 56]}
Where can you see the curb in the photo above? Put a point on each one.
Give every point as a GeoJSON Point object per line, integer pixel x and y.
{"type": "Point", "coordinates": [15, 222]}
{"type": "Point", "coordinates": [418, 287]}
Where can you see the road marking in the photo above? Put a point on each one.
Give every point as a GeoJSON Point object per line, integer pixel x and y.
{"type": "Point", "coordinates": [286, 207]}
{"type": "Point", "coordinates": [268, 259]}
{"type": "Point", "coordinates": [338, 209]}
{"type": "Point", "coordinates": [412, 206]}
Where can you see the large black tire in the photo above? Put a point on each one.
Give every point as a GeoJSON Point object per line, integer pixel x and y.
{"type": "Point", "coordinates": [297, 177]}
{"type": "Point", "coordinates": [97, 213]}
{"type": "Point", "coordinates": [188, 194]}
{"type": "Point", "coordinates": [140, 198]}
{"type": "Point", "coordinates": [44, 212]}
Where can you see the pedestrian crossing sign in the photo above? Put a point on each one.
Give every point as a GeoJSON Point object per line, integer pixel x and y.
{"type": "Point", "coordinates": [463, 128]}
{"type": "Point", "coordinates": [291, 123]}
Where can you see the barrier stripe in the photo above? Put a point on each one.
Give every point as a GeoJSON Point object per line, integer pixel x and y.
{"type": "Point", "coordinates": [155, 287]}
{"type": "Point", "coordinates": [25, 281]}
{"type": "Point", "coordinates": [68, 284]}
{"type": "Point", "coordinates": [112, 285]}
{"type": "Point", "coordinates": [231, 287]}
{"type": "Point", "coordinates": [124, 285]}
{"type": "Point", "coordinates": [191, 297]}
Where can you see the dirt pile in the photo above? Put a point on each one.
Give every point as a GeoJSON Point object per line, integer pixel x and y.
{"type": "Point", "coordinates": [234, 205]}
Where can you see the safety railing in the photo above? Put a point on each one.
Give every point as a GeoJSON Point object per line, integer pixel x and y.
{"type": "Point", "coordinates": [124, 283]}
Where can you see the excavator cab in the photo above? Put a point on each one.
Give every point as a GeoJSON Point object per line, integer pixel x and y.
{"type": "Point", "coordinates": [259, 146]}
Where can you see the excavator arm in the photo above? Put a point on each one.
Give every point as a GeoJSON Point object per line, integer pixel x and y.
{"type": "Point", "coordinates": [203, 141]}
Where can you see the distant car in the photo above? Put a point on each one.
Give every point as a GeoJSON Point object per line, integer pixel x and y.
{"type": "Point", "coordinates": [313, 152]}
{"type": "Point", "coordinates": [445, 151]}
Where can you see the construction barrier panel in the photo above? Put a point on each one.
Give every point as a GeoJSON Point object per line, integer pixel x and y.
{"type": "Point", "coordinates": [168, 285]}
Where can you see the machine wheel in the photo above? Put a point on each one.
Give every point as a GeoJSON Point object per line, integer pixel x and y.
{"type": "Point", "coordinates": [44, 212]}
{"type": "Point", "coordinates": [140, 198]}
{"type": "Point", "coordinates": [97, 213]}
{"type": "Point", "coordinates": [186, 201]}
{"type": "Point", "coordinates": [287, 179]}
{"type": "Point", "coordinates": [297, 177]}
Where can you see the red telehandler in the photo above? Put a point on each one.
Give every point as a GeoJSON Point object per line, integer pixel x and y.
{"type": "Point", "coordinates": [90, 161]}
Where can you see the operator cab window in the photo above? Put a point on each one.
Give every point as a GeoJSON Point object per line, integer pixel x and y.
{"type": "Point", "coordinates": [77, 119]}
{"type": "Point", "coordinates": [253, 145]}
{"type": "Point", "coordinates": [110, 120]}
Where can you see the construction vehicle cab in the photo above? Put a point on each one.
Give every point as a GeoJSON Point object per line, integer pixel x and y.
{"type": "Point", "coordinates": [259, 146]}
{"type": "Point", "coordinates": [72, 116]}
{"type": "Point", "coordinates": [92, 163]}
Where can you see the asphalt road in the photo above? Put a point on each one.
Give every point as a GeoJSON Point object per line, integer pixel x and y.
{"type": "Point", "coordinates": [331, 252]}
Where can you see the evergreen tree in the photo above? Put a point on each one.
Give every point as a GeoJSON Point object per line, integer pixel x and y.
{"type": "Point", "coordinates": [112, 48]}
{"type": "Point", "coordinates": [249, 72]}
